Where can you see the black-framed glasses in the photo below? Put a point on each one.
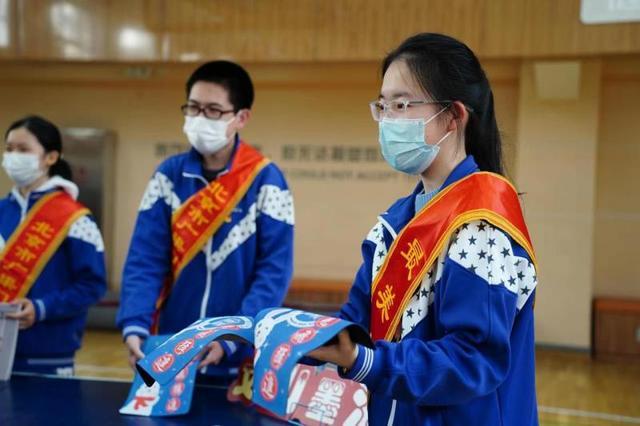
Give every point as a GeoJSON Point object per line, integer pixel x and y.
{"type": "Point", "coordinates": [381, 108]}
{"type": "Point", "coordinates": [209, 111]}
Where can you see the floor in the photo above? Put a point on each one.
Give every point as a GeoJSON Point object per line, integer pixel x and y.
{"type": "Point", "coordinates": [572, 388]}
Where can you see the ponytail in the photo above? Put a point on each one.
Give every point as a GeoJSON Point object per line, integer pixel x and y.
{"type": "Point", "coordinates": [61, 168]}
{"type": "Point", "coordinates": [482, 137]}
{"type": "Point", "coordinates": [447, 70]}
{"type": "Point", "coordinates": [49, 137]}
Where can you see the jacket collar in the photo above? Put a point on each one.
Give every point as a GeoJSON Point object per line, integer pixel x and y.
{"type": "Point", "coordinates": [52, 184]}
{"type": "Point", "coordinates": [403, 210]}
{"type": "Point", "coordinates": [193, 165]}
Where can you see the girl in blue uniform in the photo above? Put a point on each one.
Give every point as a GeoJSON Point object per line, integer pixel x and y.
{"type": "Point", "coordinates": [53, 312]}
{"type": "Point", "coordinates": [463, 349]}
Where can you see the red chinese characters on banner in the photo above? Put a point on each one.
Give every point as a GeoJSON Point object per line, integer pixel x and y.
{"type": "Point", "coordinates": [22, 257]}
{"type": "Point", "coordinates": [35, 240]}
{"type": "Point", "coordinates": [196, 216]}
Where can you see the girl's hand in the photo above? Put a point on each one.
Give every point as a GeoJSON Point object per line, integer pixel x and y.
{"type": "Point", "coordinates": [343, 353]}
{"type": "Point", "coordinates": [26, 315]}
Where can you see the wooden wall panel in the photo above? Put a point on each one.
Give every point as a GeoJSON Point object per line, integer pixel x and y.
{"type": "Point", "coordinates": [248, 30]}
{"type": "Point", "coordinates": [616, 328]}
{"type": "Point", "coordinates": [552, 28]}
{"type": "Point", "coordinates": [362, 29]}
{"type": "Point", "coordinates": [301, 30]}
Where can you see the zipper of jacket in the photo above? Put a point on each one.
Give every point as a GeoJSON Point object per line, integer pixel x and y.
{"type": "Point", "coordinates": [23, 202]}
{"type": "Point", "coordinates": [207, 253]}
{"type": "Point", "coordinates": [392, 413]}
{"type": "Point", "coordinates": [23, 214]}
{"type": "Point", "coordinates": [207, 288]}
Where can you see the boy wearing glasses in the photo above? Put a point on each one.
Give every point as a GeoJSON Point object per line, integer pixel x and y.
{"type": "Point", "coordinates": [214, 233]}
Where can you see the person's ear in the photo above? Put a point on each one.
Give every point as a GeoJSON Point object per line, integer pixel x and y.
{"type": "Point", "coordinates": [242, 118]}
{"type": "Point", "coordinates": [51, 158]}
{"type": "Point", "coordinates": [459, 117]}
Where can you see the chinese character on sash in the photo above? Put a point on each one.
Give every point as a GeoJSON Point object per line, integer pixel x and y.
{"type": "Point", "coordinates": [413, 256]}
{"type": "Point", "coordinates": [385, 301]}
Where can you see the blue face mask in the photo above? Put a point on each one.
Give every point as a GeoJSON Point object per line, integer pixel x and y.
{"type": "Point", "coordinates": [404, 145]}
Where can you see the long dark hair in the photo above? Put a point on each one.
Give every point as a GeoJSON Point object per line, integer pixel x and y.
{"type": "Point", "coordinates": [447, 69]}
{"type": "Point", "coordinates": [49, 137]}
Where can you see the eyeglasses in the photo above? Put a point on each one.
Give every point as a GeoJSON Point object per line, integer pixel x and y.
{"type": "Point", "coordinates": [211, 112]}
{"type": "Point", "coordinates": [381, 108]}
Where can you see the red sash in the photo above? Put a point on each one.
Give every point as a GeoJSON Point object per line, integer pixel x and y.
{"type": "Point", "coordinates": [479, 196]}
{"type": "Point", "coordinates": [37, 238]}
{"type": "Point", "coordinates": [200, 217]}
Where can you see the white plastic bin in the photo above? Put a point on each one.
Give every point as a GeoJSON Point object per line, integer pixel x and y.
{"type": "Point", "coordinates": [8, 339]}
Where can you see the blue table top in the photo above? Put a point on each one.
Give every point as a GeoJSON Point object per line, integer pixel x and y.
{"type": "Point", "coordinates": [27, 400]}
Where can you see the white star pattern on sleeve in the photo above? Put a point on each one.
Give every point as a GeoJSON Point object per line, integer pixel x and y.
{"type": "Point", "coordinates": [86, 230]}
{"type": "Point", "coordinates": [376, 236]}
{"type": "Point", "coordinates": [418, 306]}
{"type": "Point", "coordinates": [240, 233]}
{"type": "Point", "coordinates": [2, 243]}
{"type": "Point", "coordinates": [276, 203]}
{"type": "Point", "coordinates": [487, 252]}
{"type": "Point", "coordinates": [159, 187]}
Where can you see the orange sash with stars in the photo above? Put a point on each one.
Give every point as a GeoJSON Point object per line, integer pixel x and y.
{"type": "Point", "coordinates": [479, 196]}
{"type": "Point", "coordinates": [203, 213]}
{"type": "Point", "coordinates": [33, 243]}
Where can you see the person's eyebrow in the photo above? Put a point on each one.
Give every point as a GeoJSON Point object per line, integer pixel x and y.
{"type": "Point", "coordinates": [396, 95]}
{"type": "Point", "coordinates": [214, 104]}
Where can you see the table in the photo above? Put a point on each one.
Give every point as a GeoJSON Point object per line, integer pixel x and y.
{"type": "Point", "coordinates": [27, 400]}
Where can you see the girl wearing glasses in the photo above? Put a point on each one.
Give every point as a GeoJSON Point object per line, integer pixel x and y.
{"type": "Point", "coordinates": [448, 279]}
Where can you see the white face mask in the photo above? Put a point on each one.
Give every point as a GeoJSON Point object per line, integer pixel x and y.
{"type": "Point", "coordinates": [22, 168]}
{"type": "Point", "coordinates": [205, 135]}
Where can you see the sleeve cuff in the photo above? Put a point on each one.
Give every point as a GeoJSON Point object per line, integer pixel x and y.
{"type": "Point", "coordinates": [362, 366]}
{"type": "Point", "coordinates": [229, 347]}
{"type": "Point", "coordinates": [135, 330]}
{"type": "Point", "coordinates": [41, 309]}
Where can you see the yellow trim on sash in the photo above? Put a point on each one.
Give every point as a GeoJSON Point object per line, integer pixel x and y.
{"type": "Point", "coordinates": [473, 215]}
{"type": "Point", "coordinates": [495, 219]}
{"type": "Point", "coordinates": [217, 222]}
{"type": "Point", "coordinates": [503, 223]}
{"type": "Point", "coordinates": [53, 245]}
